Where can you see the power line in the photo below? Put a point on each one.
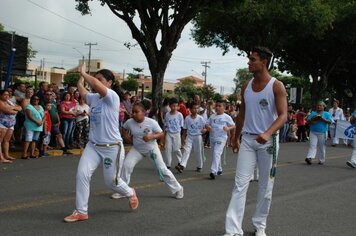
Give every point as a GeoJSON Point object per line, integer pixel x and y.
{"type": "Point", "coordinates": [73, 22]}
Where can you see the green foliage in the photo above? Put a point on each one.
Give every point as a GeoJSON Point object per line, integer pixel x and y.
{"type": "Point", "coordinates": [187, 89]}
{"type": "Point", "coordinates": [217, 96]}
{"type": "Point", "coordinates": [242, 76]}
{"type": "Point", "coordinates": [28, 82]}
{"type": "Point", "coordinates": [207, 91]}
{"type": "Point", "coordinates": [2, 28]}
{"type": "Point", "coordinates": [130, 85]}
{"type": "Point", "coordinates": [71, 78]}
{"type": "Point", "coordinates": [232, 97]}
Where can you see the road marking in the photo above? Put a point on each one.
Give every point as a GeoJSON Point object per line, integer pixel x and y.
{"type": "Point", "coordinates": [54, 199]}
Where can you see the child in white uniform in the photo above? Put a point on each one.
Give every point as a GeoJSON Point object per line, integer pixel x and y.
{"type": "Point", "coordinates": [218, 125]}
{"type": "Point", "coordinates": [144, 132]}
{"type": "Point", "coordinates": [173, 124]}
{"type": "Point", "coordinates": [192, 138]}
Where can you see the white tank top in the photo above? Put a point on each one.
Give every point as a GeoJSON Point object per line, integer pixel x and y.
{"type": "Point", "coordinates": [260, 109]}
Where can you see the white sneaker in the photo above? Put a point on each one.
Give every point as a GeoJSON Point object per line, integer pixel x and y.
{"type": "Point", "coordinates": [116, 196]}
{"type": "Point", "coordinates": [180, 193]}
{"type": "Point", "coordinates": [260, 232]}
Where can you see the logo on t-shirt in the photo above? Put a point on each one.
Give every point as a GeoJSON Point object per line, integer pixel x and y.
{"type": "Point", "coordinates": [263, 104]}
{"type": "Point", "coordinates": [146, 131]}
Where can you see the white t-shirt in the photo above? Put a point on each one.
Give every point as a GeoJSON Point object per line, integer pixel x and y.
{"type": "Point", "coordinates": [173, 123]}
{"type": "Point", "coordinates": [80, 110]}
{"type": "Point", "coordinates": [104, 117]}
{"type": "Point", "coordinates": [138, 130]}
{"type": "Point", "coordinates": [217, 123]}
{"type": "Point", "coordinates": [194, 126]}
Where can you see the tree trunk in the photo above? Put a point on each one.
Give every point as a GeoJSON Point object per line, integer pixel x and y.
{"type": "Point", "coordinates": [157, 89]}
{"type": "Point", "coordinates": [318, 88]}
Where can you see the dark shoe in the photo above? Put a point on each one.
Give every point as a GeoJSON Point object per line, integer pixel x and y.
{"type": "Point", "coordinates": [180, 168]}
{"type": "Point", "coordinates": [321, 163]}
{"type": "Point", "coordinates": [66, 152]}
{"type": "Point", "coordinates": [33, 157]}
{"type": "Point", "coordinates": [198, 169]}
{"type": "Point", "coordinates": [46, 154]}
{"type": "Point", "coordinates": [308, 161]}
{"type": "Point", "coordinates": [351, 164]}
{"type": "Point", "coordinates": [212, 176]}
{"type": "Point", "coordinates": [219, 173]}
{"type": "Point", "coordinates": [25, 158]}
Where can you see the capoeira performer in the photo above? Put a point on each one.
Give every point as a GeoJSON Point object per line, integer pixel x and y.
{"type": "Point", "coordinates": [338, 114]}
{"type": "Point", "coordinates": [143, 132]}
{"type": "Point", "coordinates": [263, 112]}
{"type": "Point", "coordinates": [218, 125]}
{"type": "Point", "coordinates": [105, 143]}
{"type": "Point", "coordinates": [193, 128]}
{"type": "Point", "coordinates": [173, 123]}
{"type": "Point", "coordinates": [352, 162]}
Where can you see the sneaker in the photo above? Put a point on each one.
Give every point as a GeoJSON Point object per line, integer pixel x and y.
{"type": "Point", "coordinates": [116, 196]}
{"type": "Point", "coordinates": [180, 168]}
{"type": "Point", "coordinates": [180, 193]}
{"type": "Point", "coordinates": [308, 161]}
{"type": "Point", "coordinates": [351, 164]}
{"type": "Point", "coordinates": [219, 172]}
{"type": "Point", "coordinates": [212, 176]}
{"type": "Point", "coordinates": [133, 201]}
{"type": "Point", "coordinates": [260, 232]}
{"type": "Point", "coordinates": [321, 163]}
{"type": "Point", "coordinates": [198, 169]}
{"type": "Point", "coordinates": [76, 216]}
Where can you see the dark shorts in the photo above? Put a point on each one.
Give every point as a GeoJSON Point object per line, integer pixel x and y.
{"type": "Point", "coordinates": [55, 130]}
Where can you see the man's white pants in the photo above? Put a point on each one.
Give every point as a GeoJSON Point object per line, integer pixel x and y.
{"type": "Point", "coordinates": [250, 154]}
{"type": "Point", "coordinates": [353, 156]}
{"type": "Point", "coordinates": [317, 140]}
{"type": "Point", "coordinates": [134, 156]}
{"type": "Point", "coordinates": [217, 148]}
{"type": "Point", "coordinates": [194, 142]}
{"type": "Point", "coordinates": [332, 135]}
{"type": "Point", "coordinates": [89, 161]}
{"type": "Point", "coordinates": [172, 146]}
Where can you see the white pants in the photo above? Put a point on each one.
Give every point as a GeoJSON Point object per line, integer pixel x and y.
{"type": "Point", "coordinates": [194, 142]}
{"type": "Point", "coordinates": [90, 160]}
{"type": "Point", "coordinates": [317, 139]}
{"type": "Point", "coordinates": [172, 146]}
{"type": "Point", "coordinates": [250, 154]}
{"type": "Point", "coordinates": [353, 156]}
{"type": "Point", "coordinates": [134, 156]}
{"type": "Point", "coordinates": [217, 148]}
{"type": "Point", "coordinates": [332, 135]}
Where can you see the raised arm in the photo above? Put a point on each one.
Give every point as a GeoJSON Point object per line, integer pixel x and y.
{"type": "Point", "coordinates": [93, 82]}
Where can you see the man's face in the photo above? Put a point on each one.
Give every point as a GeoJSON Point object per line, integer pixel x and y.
{"type": "Point", "coordinates": [255, 64]}
{"type": "Point", "coordinates": [22, 88]}
{"type": "Point", "coordinates": [45, 86]}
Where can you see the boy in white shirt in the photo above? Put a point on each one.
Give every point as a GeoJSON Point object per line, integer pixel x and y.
{"type": "Point", "coordinates": [143, 132]}
{"type": "Point", "coordinates": [218, 125]}
{"type": "Point", "coordinates": [173, 124]}
{"type": "Point", "coordinates": [192, 138]}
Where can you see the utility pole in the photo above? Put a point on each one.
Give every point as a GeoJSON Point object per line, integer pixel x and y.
{"type": "Point", "coordinates": [205, 64]}
{"type": "Point", "coordinates": [89, 44]}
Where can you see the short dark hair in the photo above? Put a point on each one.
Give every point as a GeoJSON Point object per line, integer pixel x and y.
{"type": "Point", "coordinates": [173, 101]}
{"type": "Point", "coordinates": [45, 103]}
{"type": "Point", "coordinates": [140, 105]}
{"type": "Point", "coordinates": [221, 101]}
{"type": "Point", "coordinates": [193, 104]}
{"type": "Point", "coordinates": [263, 53]}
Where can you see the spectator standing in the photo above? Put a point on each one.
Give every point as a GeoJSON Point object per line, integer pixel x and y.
{"type": "Point", "coordinates": [67, 118]}
{"type": "Point", "coordinates": [43, 87]}
{"type": "Point", "coordinates": [8, 111]}
{"type": "Point", "coordinates": [20, 92]}
{"type": "Point", "coordinates": [46, 137]}
{"type": "Point", "coordinates": [34, 125]}
{"type": "Point", "coordinates": [128, 105]}
{"type": "Point", "coordinates": [81, 131]}
{"type": "Point", "coordinates": [337, 114]}
{"type": "Point", "coordinates": [318, 121]}
{"type": "Point", "coordinates": [300, 118]}
{"type": "Point", "coordinates": [183, 108]}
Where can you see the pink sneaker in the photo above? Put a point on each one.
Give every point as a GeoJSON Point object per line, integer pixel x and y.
{"type": "Point", "coordinates": [133, 201]}
{"type": "Point", "coordinates": [76, 216]}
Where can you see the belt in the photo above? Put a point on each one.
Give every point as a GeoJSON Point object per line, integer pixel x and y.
{"type": "Point", "coordinates": [249, 133]}
{"type": "Point", "coordinates": [106, 145]}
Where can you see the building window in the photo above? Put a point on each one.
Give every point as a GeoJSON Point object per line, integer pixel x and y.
{"type": "Point", "coordinates": [98, 65]}
{"type": "Point", "coordinates": [147, 87]}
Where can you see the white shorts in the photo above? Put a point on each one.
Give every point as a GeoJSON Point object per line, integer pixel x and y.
{"type": "Point", "coordinates": [46, 139]}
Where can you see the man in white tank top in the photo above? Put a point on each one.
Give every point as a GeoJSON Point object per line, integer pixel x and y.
{"type": "Point", "coordinates": [263, 112]}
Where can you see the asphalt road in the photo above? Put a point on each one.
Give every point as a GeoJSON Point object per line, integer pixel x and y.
{"type": "Point", "coordinates": [36, 195]}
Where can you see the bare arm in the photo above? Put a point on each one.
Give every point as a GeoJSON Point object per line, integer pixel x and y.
{"type": "Point", "coordinates": [240, 119]}
{"type": "Point", "coordinates": [128, 138]}
{"type": "Point", "coordinates": [8, 109]}
{"type": "Point", "coordinates": [82, 90]}
{"type": "Point", "coordinates": [149, 137]}
{"type": "Point", "coordinates": [93, 82]}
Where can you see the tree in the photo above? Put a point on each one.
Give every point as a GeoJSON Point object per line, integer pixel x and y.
{"type": "Point", "coordinates": [159, 27]}
{"type": "Point", "coordinates": [242, 76]}
{"type": "Point", "coordinates": [207, 91]}
{"type": "Point", "coordinates": [71, 78]}
{"type": "Point", "coordinates": [309, 38]}
{"type": "Point", "coordinates": [186, 89]}
{"type": "Point", "coordinates": [130, 85]}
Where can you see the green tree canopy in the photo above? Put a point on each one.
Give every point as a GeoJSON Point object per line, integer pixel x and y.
{"type": "Point", "coordinates": [130, 85]}
{"type": "Point", "coordinates": [186, 89]}
{"type": "Point", "coordinates": [71, 78]}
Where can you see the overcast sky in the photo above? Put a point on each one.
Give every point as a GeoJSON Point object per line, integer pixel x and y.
{"type": "Point", "coordinates": [58, 32]}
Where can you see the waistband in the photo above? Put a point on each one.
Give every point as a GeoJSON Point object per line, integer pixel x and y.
{"type": "Point", "coordinates": [249, 133]}
{"type": "Point", "coordinates": [106, 144]}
